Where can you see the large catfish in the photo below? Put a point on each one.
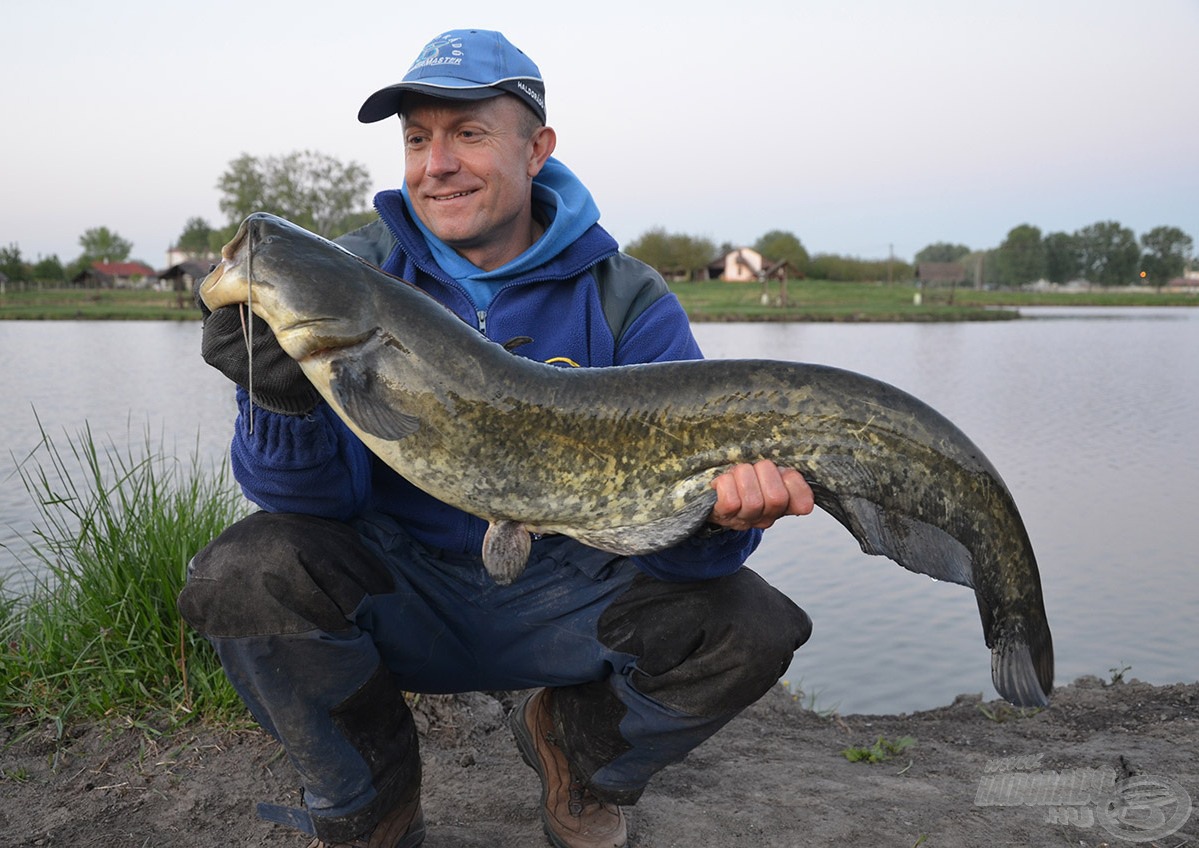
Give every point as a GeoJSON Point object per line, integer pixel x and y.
{"type": "Point", "coordinates": [623, 458]}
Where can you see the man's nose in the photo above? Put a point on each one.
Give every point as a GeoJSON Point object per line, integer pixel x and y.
{"type": "Point", "coordinates": [441, 159]}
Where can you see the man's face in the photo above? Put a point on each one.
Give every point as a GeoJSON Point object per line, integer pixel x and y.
{"type": "Point", "coordinates": [469, 168]}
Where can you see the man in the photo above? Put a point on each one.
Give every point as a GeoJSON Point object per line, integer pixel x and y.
{"type": "Point", "coordinates": [352, 586]}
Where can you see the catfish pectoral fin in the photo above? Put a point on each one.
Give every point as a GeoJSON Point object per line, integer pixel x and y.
{"type": "Point", "coordinates": [368, 407]}
{"type": "Point", "coordinates": [506, 546]}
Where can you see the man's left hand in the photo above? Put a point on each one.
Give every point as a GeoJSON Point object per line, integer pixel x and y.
{"type": "Point", "coordinates": [757, 495]}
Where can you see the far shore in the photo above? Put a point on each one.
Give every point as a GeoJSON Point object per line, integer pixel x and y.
{"type": "Point", "coordinates": [706, 301]}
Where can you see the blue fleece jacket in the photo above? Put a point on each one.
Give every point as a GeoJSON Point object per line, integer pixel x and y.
{"type": "Point", "coordinates": [559, 294]}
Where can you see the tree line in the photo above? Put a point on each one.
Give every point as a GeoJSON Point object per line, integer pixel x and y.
{"type": "Point", "coordinates": [314, 190]}
{"type": "Point", "coordinates": [330, 197]}
{"type": "Point", "coordinates": [99, 244]}
{"type": "Point", "coordinates": [1104, 253]}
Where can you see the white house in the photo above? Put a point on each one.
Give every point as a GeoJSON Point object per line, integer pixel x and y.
{"type": "Point", "coordinates": [743, 265]}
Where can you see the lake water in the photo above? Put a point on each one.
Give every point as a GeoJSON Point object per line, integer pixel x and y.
{"type": "Point", "coordinates": [1089, 414]}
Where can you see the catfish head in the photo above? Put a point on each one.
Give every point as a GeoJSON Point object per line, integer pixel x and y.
{"type": "Point", "coordinates": [314, 294]}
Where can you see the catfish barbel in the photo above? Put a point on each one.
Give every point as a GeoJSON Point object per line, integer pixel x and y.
{"type": "Point", "coordinates": [623, 458]}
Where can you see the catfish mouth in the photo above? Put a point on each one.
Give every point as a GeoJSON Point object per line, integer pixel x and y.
{"type": "Point", "coordinates": [208, 296]}
{"type": "Point", "coordinates": [227, 283]}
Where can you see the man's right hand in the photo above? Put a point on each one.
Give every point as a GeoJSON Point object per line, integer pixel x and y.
{"type": "Point", "coordinates": [279, 384]}
{"type": "Point", "coordinates": [758, 494]}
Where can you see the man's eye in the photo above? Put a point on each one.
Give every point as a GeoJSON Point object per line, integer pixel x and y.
{"type": "Point", "coordinates": [414, 140]}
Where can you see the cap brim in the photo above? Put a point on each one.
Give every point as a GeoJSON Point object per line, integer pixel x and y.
{"type": "Point", "coordinates": [388, 101]}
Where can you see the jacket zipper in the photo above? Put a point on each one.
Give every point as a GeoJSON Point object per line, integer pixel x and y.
{"type": "Point", "coordinates": [481, 314]}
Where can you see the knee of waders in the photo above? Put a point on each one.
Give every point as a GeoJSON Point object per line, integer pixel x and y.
{"type": "Point", "coordinates": [276, 573]}
{"type": "Point", "coordinates": [710, 647]}
{"type": "Point", "coordinates": [766, 626]}
{"type": "Point", "coordinates": [762, 629]}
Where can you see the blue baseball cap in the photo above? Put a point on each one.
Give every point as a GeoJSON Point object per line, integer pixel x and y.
{"type": "Point", "coordinates": [463, 64]}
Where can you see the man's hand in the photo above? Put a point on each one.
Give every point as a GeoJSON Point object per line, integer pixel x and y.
{"type": "Point", "coordinates": [279, 384]}
{"type": "Point", "coordinates": [757, 495]}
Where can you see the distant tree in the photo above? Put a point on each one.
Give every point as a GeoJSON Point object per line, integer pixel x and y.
{"type": "Point", "coordinates": [1063, 258]}
{"type": "Point", "coordinates": [196, 237]}
{"type": "Point", "coordinates": [942, 252]}
{"type": "Point", "coordinates": [778, 245]}
{"type": "Point", "coordinates": [311, 189]}
{"type": "Point", "coordinates": [49, 269]}
{"type": "Point", "coordinates": [11, 264]}
{"type": "Point", "coordinates": [653, 247]}
{"type": "Point", "coordinates": [696, 252]}
{"type": "Point", "coordinates": [979, 268]}
{"type": "Point", "coordinates": [671, 253]}
{"type": "Point", "coordinates": [1020, 258]}
{"type": "Point", "coordinates": [244, 186]}
{"type": "Point", "coordinates": [1109, 252]}
{"type": "Point", "coordinates": [100, 244]}
{"type": "Point", "coordinates": [220, 237]}
{"type": "Point", "coordinates": [77, 266]}
{"type": "Point", "coordinates": [1167, 251]}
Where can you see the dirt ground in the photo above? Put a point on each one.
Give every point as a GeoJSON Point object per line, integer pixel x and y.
{"type": "Point", "coordinates": [1107, 764]}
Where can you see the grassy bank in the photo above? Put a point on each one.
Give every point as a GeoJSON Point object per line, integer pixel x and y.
{"type": "Point", "coordinates": [69, 304]}
{"type": "Point", "coordinates": [99, 632]}
{"type": "Point", "coordinates": [821, 300]}
{"type": "Point", "coordinates": [807, 300]}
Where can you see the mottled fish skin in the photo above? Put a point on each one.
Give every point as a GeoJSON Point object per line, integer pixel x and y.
{"type": "Point", "coordinates": [622, 458]}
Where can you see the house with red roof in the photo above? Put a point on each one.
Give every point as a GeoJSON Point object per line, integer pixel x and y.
{"type": "Point", "coordinates": [116, 275]}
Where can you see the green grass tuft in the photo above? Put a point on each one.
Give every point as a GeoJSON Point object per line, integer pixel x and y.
{"type": "Point", "coordinates": [99, 632]}
{"type": "Point", "coordinates": [880, 751]}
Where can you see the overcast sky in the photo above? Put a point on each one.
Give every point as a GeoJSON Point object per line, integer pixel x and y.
{"type": "Point", "coordinates": [861, 127]}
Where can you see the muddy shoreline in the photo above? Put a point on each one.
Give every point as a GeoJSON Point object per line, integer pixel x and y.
{"type": "Point", "coordinates": [1106, 764]}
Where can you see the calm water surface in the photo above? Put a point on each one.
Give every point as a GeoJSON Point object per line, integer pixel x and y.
{"type": "Point", "coordinates": [132, 383]}
{"type": "Point", "coordinates": [1089, 415]}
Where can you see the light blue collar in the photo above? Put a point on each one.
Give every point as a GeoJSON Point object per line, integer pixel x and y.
{"type": "Point", "coordinates": [558, 195]}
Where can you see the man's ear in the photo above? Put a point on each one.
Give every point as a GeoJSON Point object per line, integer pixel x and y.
{"type": "Point", "coordinates": [542, 146]}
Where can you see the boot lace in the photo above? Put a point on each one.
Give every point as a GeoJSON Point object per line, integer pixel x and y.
{"type": "Point", "coordinates": [580, 797]}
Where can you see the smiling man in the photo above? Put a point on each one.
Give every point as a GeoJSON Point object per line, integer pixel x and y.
{"type": "Point", "coordinates": [351, 586]}
{"type": "Point", "coordinates": [469, 172]}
